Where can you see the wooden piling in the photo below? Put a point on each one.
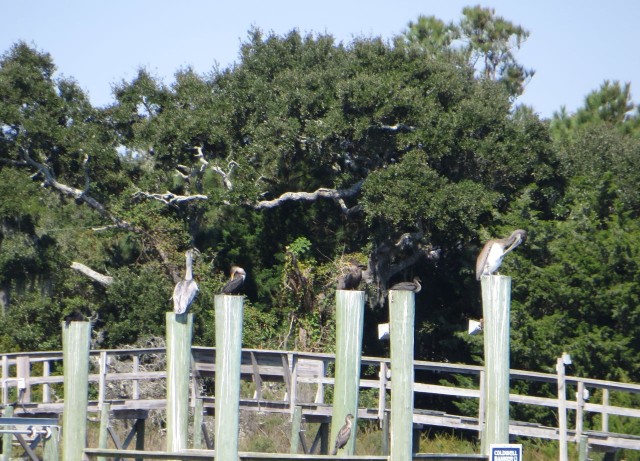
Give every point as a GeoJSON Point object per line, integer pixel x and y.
{"type": "Point", "coordinates": [349, 326]}
{"type": "Point", "coordinates": [179, 332]}
{"type": "Point", "coordinates": [50, 450]}
{"type": "Point", "coordinates": [401, 332]}
{"type": "Point", "coordinates": [103, 435]}
{"type": "Point", "coordinates": [563, 446]}
{"type": "Point", "coordinates": [76, 338]}
{"type": "Point", "coordinates": [198, 419]}
{"type": "Point", "coordinates": [496, 303]}
{"type": "Point", "coordinates": [296, 425]}
{"type": "Point", "coordinates": [7, 439]}
{"type": "Point", "coordinates": [228, 312]}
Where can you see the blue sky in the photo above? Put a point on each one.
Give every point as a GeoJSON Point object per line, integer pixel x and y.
{"type": "Point", "coordinates": [574, 45]}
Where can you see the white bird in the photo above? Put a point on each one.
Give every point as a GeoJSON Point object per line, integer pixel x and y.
{"type": "Point", "coordinates": [186, 290]}
{"type": "Point", "coordinates": [494, 250]}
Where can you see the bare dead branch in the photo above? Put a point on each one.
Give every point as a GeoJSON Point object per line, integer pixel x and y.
{"type": "Point", "coordinates": [98, 277]}
{"type": "Point", "coordinates": [397, 127]}
{"type": "Point", "coordinates": [169, 198]}
{"type": "Point", "coordinates": [337, 195]}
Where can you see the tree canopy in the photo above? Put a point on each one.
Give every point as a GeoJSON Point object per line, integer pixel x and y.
{"type": "Point", "coordinates": [405, 155]}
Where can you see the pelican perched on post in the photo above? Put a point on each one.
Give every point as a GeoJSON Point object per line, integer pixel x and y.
{"type": "Point", "coordinates": [494, 250]}
{"type": "Point", "coordinates": [352, 278]}
{"type": "Point", "coordinates": [409, 286]}
{"type": "Point", "coordinates": [344, 434]}
{"type": "Point", "coordinates": [234, 286]}
{"type": "Point", "coordinates": [186, 290]}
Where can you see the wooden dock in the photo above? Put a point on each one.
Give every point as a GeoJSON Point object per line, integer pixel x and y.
{"type": "Point", "coordinates": [284, 380]}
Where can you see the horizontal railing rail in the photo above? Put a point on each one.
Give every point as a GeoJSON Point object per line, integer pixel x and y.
{"type": "Point", "coordinates": [122, 377]}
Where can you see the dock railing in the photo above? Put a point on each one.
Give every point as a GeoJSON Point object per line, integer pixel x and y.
{"type": "Point", "coordinates": [133, 380]}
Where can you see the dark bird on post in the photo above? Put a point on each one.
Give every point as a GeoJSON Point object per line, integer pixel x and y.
{"type": "Point", "coordinates": [234, 286]}
{"type": "Point", "coordinates": [409, 286]}
{"type": "Point", "coordinates": [352, 278]}
{"type": "Point", "coordinates": [185, 290]}
{"type": "Point", "coordinates": [75, 316]}
{"type": "Point", "coordinates": [494, 250]}
{"type": "Point", "coordinates": [344, 434]}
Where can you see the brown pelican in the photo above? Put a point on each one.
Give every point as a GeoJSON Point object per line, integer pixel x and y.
{"type": "Point", "coordinates": [494, 250]}
{"type": "Point", "coordinates": [408, 286]}
{"type": "Point", "coordinates": [352, 278]}
{"type": "Point", "coordinates": [234, 286]}
{"type": "Point", "coordinates": [185, 290]}
{"type": "Point", "coordinates": [344, 434]}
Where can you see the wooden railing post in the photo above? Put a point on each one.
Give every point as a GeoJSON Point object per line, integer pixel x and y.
{"type": "Point", "coordinates": [496, 303]}
{"type": "Point", "coordinates": [562, 411]}
{"type": "Point", "coordinates": [349, 328]}
{"type": "Point", "coordinates": [228, 311]}
{"type": "Point", "coordinates": [401, 324]}
{"type": "Point", "coordinates": [76, 338]}
{"type": "Point", "coordinates": [7, 439]}
{"type": "Point", "coordinates": [103, 434]}
{"type": "Point", "coordinates": [179, 332]}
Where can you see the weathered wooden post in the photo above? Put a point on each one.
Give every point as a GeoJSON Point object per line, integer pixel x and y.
{"type": "Point", "coordinates": [76, 338]}
{"type": "Point", "coordinates": [7, 439]}
{"type": "Point", "coordinates": [198, 419]}
{"type": "Point", "coordinates": [103, 434]}
{"type": "Point", "coordinates": [562, 410]}
{"type": "Point", "coordinates": [496, 304]}
{"type": "Point", "coordinates": [349, 325]}
{"type": "Point", "coordinates": [179, 331]}
{"type": "Point", "coordinates": [401, 320]}
{"type": "Point", "coordinates": [50, 450]}
{"type": "Point", "coordinates": [296, 424]}
{"type": "Point", "coordinates": [228, 355]}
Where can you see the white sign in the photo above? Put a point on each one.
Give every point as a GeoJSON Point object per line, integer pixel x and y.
{"type": "Point", "coordinates": [505, 452]}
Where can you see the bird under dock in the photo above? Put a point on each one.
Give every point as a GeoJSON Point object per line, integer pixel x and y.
{"type": "Point", "coordinates": [344, 434]}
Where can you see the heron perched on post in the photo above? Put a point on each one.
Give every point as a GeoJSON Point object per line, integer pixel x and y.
{"type": "Point", "coordinates": [409, 286]}
{"type": "Point", "coordinates": [185, 290]}
{"type": "Point", "coordinates": [351, 279]}
{"type": "Point", "coordinates": [234, 286]}
{"type": "Point", "coordinates": [494, 250]}
{"type": "Point", "coordinates": [344, 434]}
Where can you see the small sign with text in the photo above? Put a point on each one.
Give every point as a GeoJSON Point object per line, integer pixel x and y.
{"type": "Point", "coordinates": [505, 452]}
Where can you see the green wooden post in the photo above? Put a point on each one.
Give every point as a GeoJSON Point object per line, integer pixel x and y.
{"type": "Point", "coordinates": [50, 450]}
{"type": "Point", "coordinates": [7, 439]}
{"type": "Point", "coordinates": [496, 303]}
{"type": "Point", "coordinates": [296, 423]}
{"type": "Point", "coordinates": [76, 338]}
{"type": "Point", "coordinates": [349, 325]}
{"type": "Point", "coordinates": [401, 323]}
{"type": "Point", "coordinates": [103, 435]}
{"type": "Point", "coordinates": [228, 355]}
{"type": "Point", "coordinates": [179, 331]}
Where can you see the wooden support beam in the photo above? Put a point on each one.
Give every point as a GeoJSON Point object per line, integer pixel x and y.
{"type": "Point", "coordinates": [401, 333]}
{"type": "Point", "coordinates": [76, 338]}
{"type": "Point", "coordinates": [7, 439]}
{"type": "Point", "coordinates": [296, 425]}
{"type": "Point", "coordinates": [349, 326]}
{"type": "Point", "coordinates": [179, 332]}
{"type": "Point", "coordinates": [228, 312]}
{"type": "Point", "coordinates": [198, 420]}
{"type": "Point", "coordinates": [103, 434]}
{"type": "Point", "coordinates": [50, 451]}
{"type": "Point", "coordinates": [496, 303]}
